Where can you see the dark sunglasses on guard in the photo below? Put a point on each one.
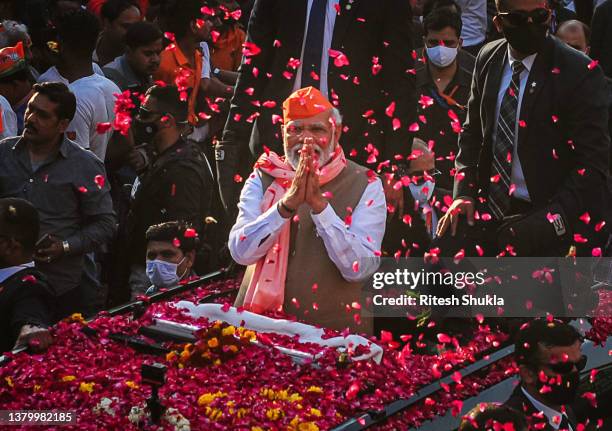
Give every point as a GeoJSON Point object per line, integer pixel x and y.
{"type": "Point", "coordinates": [521, 17]}
{"type": "Point", "coordinates": [566, 367]}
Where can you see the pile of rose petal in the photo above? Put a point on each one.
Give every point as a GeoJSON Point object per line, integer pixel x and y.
{"type": "Point", "coordinates": [257, 389]}
{"type": "Point", "coordinates": [602, 322]}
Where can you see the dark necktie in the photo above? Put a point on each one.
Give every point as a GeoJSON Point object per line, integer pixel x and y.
{"type": "Point", "coordinates": [499, 190]}
{"type": "Point", "coordinates": [313, 46]}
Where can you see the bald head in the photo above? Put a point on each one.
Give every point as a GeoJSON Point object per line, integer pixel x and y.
{"type": "Point", "coordinates": [576, 34]}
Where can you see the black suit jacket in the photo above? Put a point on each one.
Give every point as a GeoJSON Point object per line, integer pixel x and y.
{"type": "Point", "coordinates": [363, 29]}
{"type": "Point", "coordinates": [564, 162]}
{"type": "Point", "coordinates": [601, 36]}
{"type": "Point", "coordinates": [535, 420]}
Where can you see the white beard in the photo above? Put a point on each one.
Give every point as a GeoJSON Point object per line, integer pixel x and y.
{"type": "Point", "coordinates": [323, 156]}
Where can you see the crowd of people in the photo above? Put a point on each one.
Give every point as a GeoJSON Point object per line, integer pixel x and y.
{"type": "Point", "coordinates": [146, 142]}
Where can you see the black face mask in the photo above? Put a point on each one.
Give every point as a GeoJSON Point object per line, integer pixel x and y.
{"type": "Point", "coordinates": [526, 39]}
{"type": "Point", "coordinates": [144, 133]}
{"type": "Point", "coordinates": [562, 394]}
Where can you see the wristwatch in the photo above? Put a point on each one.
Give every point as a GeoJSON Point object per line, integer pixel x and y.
{"type": "Point", "coordinates": [66, 247]}
{"type": "Point", "coordinates": [216, 72]}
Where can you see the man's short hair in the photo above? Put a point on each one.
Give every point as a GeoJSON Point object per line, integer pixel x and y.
{"type": "Point", "coordinates": [142, 33]}
{"type": "Point", "coordinates": [174, 230]}
{"type": "Point", "coordinates": [168, 100]}
{"type": "Point", "coordinates": [58, 93]}
{"type": "Point", "coordinates": [541, 332]}
{"type": "Point", "coordinates": [442, 17]}
{"type": "Point", "coordinates": [179, 14]}
{"type": "Point", "coordinates": [485, 415]}
{"type": "Point", "coordinates": [79, 30]}
{"type": "Point", "coordinates": [19, 220]}
{"type": "Point", "coordinates": [430, 5]}
{"type": "Point", "coordinates": [112, 9]}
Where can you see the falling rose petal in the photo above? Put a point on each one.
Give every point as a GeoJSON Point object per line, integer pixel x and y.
{"type": "Point", "coordinates": [99, 180]}
{"type": "Point", "coordinates": [479, 250]}
{"type": "Point", "coordinates": [355, 266]}
{"type": "Point", "coordinates": [276, 43]}
{"type": "Point", "coordinates": [176, 242]}
{"type": "Point", "coordinates": [459, 256]}
{"type": "Point", "coordinates": [340, 59]}
{"type": "Point", "coordinates": [456, 406]}
{"type": "Point", "coordinates": [102, 128]}
{"type": "Point", "coordinates": [555, 118]}
{"type": "Point", "coordinates": [389, 110]}
{"type": "Point", "coordinates": [512, 189]}
{"type": "Point", "coordinates": [522, 123]}
{"type": "Point", "coordinates": [327, 195]}
{"type": "Point", "coordinates": [580, 239]}
{"type": "Point", "coordinates": [190, 233]}
{"type": "Point", "coordinates": [414, 127]}
{"type": "Point", "coordinates": [593, 64]}
{"type": "Point", "coordinates": [426, 101]}
{"type": "Point", "coordinates": [599, 226]}
{"type": "Point", "coordinates": [586, 218]}
{"type": "Point", "coordinates": [554, 154]}
{"type": "Point", "coordinates": [456, 377]}
{"type": "Point", "coordinates": [407, 219]}
{"type": "Point", "coordinates": [591, 397]}
{"type": "Point", "coordinates": [238, 178]}
{"type": "Point", "coordinates": [250, 49]}
{"type": "Point", "coordinates": [170, 36]}
{"type": "Point", "coordinates": [82, 189]}
{"type": "Point", "coordinates": [444, 338]}
{"type": "Point", "coordinates": [396, 124]}
{"type": "Point", "coordinates": [596, 252]}
{"type": "Point", "coordinates": [556, 71]}
{"type": "Point", "coordinates": [581, 172]}
{"type": "Point", "coordinates": [28, 279]}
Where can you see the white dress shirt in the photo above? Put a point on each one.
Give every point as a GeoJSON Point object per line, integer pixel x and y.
{"type": "Point", "coordinates": [554, 417]}
{"type": "Point", "coordinates": [517, 178]}
{"type": "Point", "coordinates": [256, 231]}
{"type": "Point", "coordinates": [330, 21]}
{"type": "Point", "coordinates": [9, 119]}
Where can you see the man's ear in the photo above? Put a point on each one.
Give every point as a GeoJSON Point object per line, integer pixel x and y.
{"type": "Point", "coordinates": [498, 24]}
{"type": "Point", "coordinates": [337, 133]}
{"type": "Point", "coordinates": [63, 125]}
{"type": "Point", "coordinates": [460, 45]}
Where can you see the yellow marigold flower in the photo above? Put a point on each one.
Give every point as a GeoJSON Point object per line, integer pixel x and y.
{"type": "Point", "coordinates": [308, 426]}
{"type": "Point", "coordinates": [230, 403]}
{"type": "Point", "coordinates": [229, 330]}
{"type": "Point", "coordinates": [9, 382]}
{"type": "Point", "coordinates": [295, 397]}
{"type": "Point", "coordinates": [242, 412]}
{"type": "Point", "coordinates": [206, 399]}
{"type": "Point", "coordinates": [68, 378]}
{"type": "Point", "coordinates": [232, 348]}
{"type": "Point", "coordinates": [86, 387]}
{"type": "Point", "coordinates": [185, 355]}
{"type": "Point", "coordinates": [77, 317]}
{"type": "Point", "coordinates": [274, 414]}
{"type": "Point", "coordinates": [315, 412]}
{"type": "Point", "coordinates": [213, 342]}
{"type": "Point", "coordinates": [257, 429]}
{"type": "Point", "coordinates": [315, 389]}
{"type": "Point", "coordinates": [37, 388]}
{"type": "Point", "coordinates": [131, 384]}
{"type": "Point", "coordinates": [170, 356]}
{"type": "Point", "coordinates": [217, 362]}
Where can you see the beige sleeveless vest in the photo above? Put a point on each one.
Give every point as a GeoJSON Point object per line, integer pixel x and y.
{"type": "Point", "coordinates": [309, 262]}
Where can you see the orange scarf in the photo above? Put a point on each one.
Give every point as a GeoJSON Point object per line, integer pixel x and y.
{"type": "Point", "coordinates": [266, 290]}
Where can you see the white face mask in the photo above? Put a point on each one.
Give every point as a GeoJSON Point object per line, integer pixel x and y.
{"type": "Point", "coordinates": [441, 56]}
{"type": "Point", "coordinates": [420, 194]}
{"type": "Point", "coordinates": [162, 273]}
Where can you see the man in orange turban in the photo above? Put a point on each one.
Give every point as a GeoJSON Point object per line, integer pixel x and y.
{"type": "Point", "coordinates": [310, 223]}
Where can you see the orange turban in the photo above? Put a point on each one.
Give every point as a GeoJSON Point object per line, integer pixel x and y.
{"type": "Point", "coordinates": [12, 59]}
{"type": "Point", "coordinates": [304, 103]}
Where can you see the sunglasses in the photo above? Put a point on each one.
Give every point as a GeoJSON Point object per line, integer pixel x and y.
{"type": "Point", "coordinates": [568, 366]}
{"type": "Point", "coordinates": [521, 17]}
{"type": "Point", "coordinates": [147, 116]}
